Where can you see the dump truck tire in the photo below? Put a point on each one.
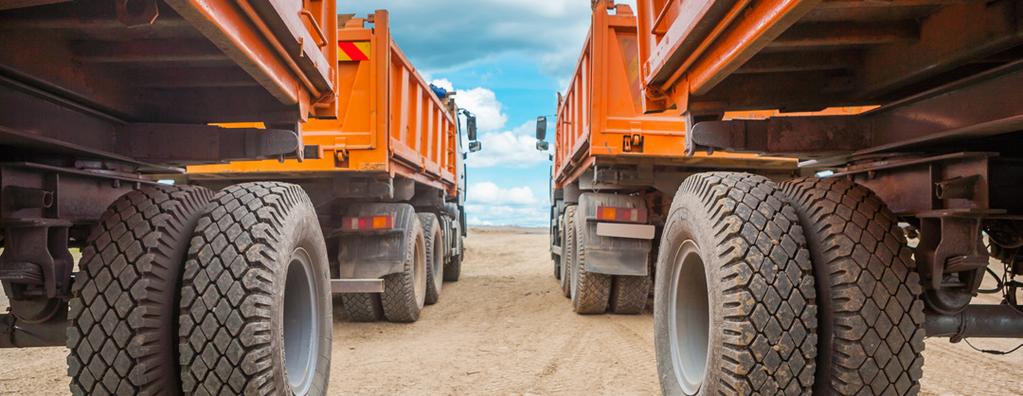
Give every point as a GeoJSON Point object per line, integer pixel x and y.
{"type": "Point", "coordinates": [590, 291]}
{"type": "Point", "coordinates": [434, 240]}
{"type": "Point", "coordinates": [453, 266]}
{"type": "Point", "coordinates": [567, 251]}
{"type": "Point", "coordinates": [122, 332]}
{"type": "Point", "coordinates": [255, 297]}
{"type": "Point", "coordinates": [870, 314]}
{"type": "Point", "coordinates": [629, 294]}
{"type": "Point", "coordinates": [734, 296]}
{"type": "Point", "coordinates": [362, 307]}
{"type": "Point", "coordinates": [405, 292]}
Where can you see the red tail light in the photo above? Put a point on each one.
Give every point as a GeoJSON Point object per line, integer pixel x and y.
{"type": "Point", "coordinates": [621, 215]}
{"type": "Point", "coordinates": [362, 223]}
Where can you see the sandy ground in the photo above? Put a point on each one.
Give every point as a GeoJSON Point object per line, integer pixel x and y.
{"type": "Point", "coordinates": [506, 329]}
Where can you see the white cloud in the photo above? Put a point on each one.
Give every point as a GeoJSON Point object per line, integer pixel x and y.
{"type": "Point", "coordinates": [491, 215]}
{"type": "Point", "coordinates": [484, 104]}
{"type": "Point", "coordinates": [515, 148]}
{"type": "Point", "coordinates": [491, 204]}
{"type": "Point", "coordinates": [551, 31]}
{"type": "Point", "coordinates": [490, 194]}
{"type": "Point", "coordinates": [480, 101]}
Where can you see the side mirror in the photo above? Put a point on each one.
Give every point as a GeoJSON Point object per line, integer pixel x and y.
{"type": "Point", "coordinates": [470, 124]}
{"type": "Point", "coordinates": [541, 128]}
{"type": "Point", "coordinates": [475, 146]}
{"type": "Point", "coordinates": [542, 145]}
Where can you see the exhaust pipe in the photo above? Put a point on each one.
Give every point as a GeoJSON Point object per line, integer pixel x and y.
{"type": "Point", "coordinates": [976, 321]}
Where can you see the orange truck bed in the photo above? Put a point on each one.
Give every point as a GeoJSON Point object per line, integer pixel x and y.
{"type": "Point", "coordinates": [712, 56]}
{"type": "Point", "coordinates": [177, 61]}
{"type": "Point", "coordinates": [601, 118]}
{"type": "Point", "coordinates": [389, 119]}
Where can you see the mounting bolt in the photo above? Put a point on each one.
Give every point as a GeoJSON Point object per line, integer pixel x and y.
{"type": "Point", "coordinates": [137, 12]}
{"type": "Point", "coordinates": [29, 198]}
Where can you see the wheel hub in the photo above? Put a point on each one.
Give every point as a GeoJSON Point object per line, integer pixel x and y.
{"type": "Point", "coordinates": [689, 319]}
{"type": "Point", "coordinates": [301, 323]}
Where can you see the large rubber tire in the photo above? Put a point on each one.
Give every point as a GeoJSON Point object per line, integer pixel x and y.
{"type": "Point", "coordinates": [121, 334]}
{"type": "Point", "coordinates": [567, 251]}
{"type": "Point", "coordinates": [453, 265]}
{"type": "Point", "coordinates": [362, 307]}
{"type": "Point", "coordinates": [629, 294]}
{"type": "Point", "coordinates": [434, 239]}
{"type": "Point", "coordinates": [734, 300]}
{"type": "Point", "coordinates": [590, 291]}
{"type": "Point", "coordinates": [405, 292]}
{"type": "Point", "coordinates": [870, 313]}
{"type": "Point", "coordinates": [255, 296]}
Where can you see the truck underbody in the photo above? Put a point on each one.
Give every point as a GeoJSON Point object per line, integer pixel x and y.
{"type": "Point", "coordinates": [937, 162]}
{"type": "Point", "coordinates": [100, 96]}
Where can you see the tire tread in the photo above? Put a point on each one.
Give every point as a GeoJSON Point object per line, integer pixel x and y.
{"type": "Point", "coordinates": [873, 291]}
{"type": "Point", "coordinates": [228, 289]}
{"type": "Point", "coordinates": [120, 332]}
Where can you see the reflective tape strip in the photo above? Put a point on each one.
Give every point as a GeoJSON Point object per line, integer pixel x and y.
{"type": "Point", "coordinates": [352, 50]}
{"type": "Point", "coordinates": [621, 230]}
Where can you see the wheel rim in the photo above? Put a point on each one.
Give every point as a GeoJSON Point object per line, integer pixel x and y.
{"type": "Point", "coordinates": [573, 286]}
{"type": "Point", "coordinates": [301, 323]}
{"type": "Point", "coordinates": [438, 261]}
{"type": "Point", "coordinates": [564, 259]}
{"type": "Point", "coordinates": [419, 274]}
{"type": "Point", "coordinates": [689, 319]}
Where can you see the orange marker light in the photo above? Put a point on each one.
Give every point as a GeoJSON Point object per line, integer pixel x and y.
{"type": "Point", "coordinates": [606, 213]}
{"type": "Point", "coordinates": [381, 222]}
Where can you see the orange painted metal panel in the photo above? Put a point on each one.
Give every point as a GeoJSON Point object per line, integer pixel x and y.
{"type": "Point", "coordinates": [282, 45]}
{"type": "Point", "coordinates": [603, 107]}
{"type": "Point", "coordinates": [389, 119]}
{"type": "Point", "coordinates": [688, 47]}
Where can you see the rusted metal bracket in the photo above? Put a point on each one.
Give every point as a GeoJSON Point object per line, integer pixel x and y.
{"type": "Point", "coordinates": [804, 136]}
{"type": "Point", "coordinates": [15, 333]}
{"type": "Point", "coordinates": [204, 143]}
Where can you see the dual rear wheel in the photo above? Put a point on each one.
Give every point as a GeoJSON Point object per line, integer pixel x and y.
{"type": "Point", "coordinates": [419, 283]}
{"type": "Point", "coordinates": [801, 288]}
{"type": "Point", "coordinates": [595, 293]}
{"type": "Point", "coordinates": [181, 290]}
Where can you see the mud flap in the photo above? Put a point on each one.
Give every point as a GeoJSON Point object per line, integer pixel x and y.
{"type": "Point", "coordinates": [613, 255]}
{"type": "Point", "coordinates": [370, 254]}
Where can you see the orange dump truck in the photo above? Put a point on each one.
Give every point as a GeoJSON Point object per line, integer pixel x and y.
{"type": "Point", "coordinates": [386, 178]}
{"type": "Point", "coordinates": [809, 285]}
{"type": "Point", "coordinates": [178, 289]}
{"type": "Point", "coordinates": [615, 171]}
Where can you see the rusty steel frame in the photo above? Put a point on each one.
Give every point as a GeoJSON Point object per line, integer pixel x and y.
{"type": "Point", "coordinates": [99, 96]}
{"type": "Point", "coordinates": [987, 106]}
{"type": "Point", "coordinates": [44, 210]}
{"type": "Point", "coordinates": [76, 129]}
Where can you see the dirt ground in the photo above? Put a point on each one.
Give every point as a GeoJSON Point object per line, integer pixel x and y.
{"type": "Point", "coordinates": [506, 329]}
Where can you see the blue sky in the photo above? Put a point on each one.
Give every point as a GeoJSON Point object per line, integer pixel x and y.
{"type": "Point", "coordinates": [507, 59]}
